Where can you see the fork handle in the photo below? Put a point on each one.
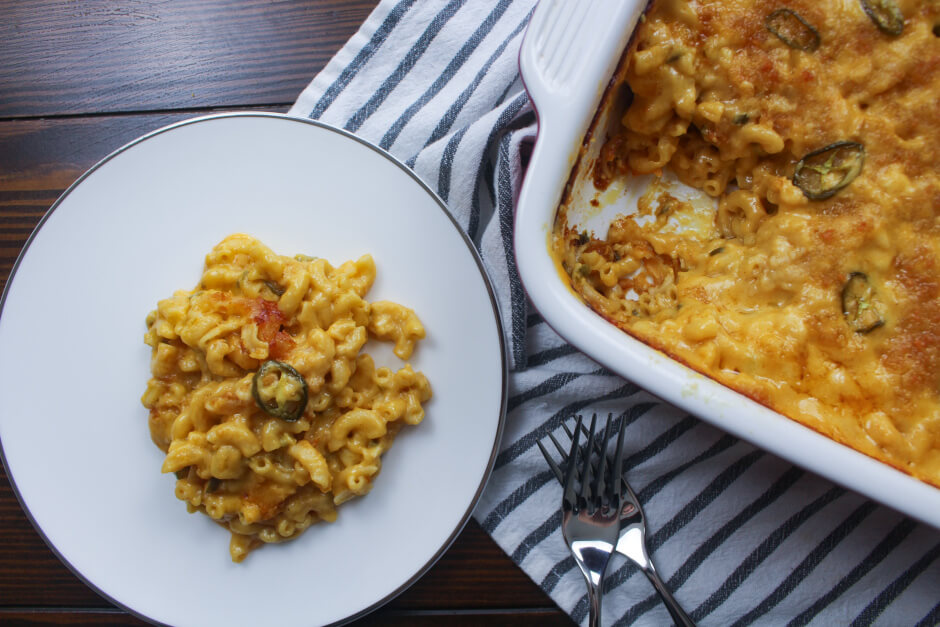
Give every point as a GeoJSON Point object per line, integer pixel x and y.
{"type": "Point", "coordinates": [594, 596]}
{"type": "Point", "coordinates": [679, 616]}
{"type": "Point", "coordinates": [593, 565]}
{"type": "Point", "coordinates": [594, 600]}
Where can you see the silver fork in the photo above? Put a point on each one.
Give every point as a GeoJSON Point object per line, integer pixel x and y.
{"type": "Point", "coordinates": [591, 516]}
{"type": "Point", "coordinates": [632, 541]}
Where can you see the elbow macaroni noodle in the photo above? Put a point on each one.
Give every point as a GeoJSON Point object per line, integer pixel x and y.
{"type": "Point", "coordinates": [263, 474]}
{"type": "Point", "coordinates": [817, 296]}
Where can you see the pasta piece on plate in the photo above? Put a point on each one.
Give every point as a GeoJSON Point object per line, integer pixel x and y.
{"type": "Point", "coordinates": [268, 410]}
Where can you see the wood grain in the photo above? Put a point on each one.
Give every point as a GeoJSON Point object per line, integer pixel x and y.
{"type": "Point", "coordinates": [384, 617]}
{"type": "Point", "coordinates": [70, 57]}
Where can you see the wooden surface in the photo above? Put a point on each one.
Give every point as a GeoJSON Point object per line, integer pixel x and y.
{"type": "Point", "coordinates": [80, 78]}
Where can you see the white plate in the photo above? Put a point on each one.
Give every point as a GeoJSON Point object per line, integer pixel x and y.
{"type": "Point", "coordinates": [73, 366]}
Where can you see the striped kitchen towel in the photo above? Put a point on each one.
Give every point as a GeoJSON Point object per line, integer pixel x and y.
{"type": "Point", "coordinates": [740, 536]}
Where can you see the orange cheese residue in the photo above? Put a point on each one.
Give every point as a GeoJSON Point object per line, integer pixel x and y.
{"type": "Point", "coordinates": [816, 294]}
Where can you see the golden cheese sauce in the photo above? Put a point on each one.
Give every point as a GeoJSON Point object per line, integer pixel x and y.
{"type": "Point", "coordinates": [814, 286]}
{"type": "Point", "coordinates": [269, 411]}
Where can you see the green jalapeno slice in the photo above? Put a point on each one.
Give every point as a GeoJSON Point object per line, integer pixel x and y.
{"type": "Point", "coordinates": [790, 28]}
{"type": "Point", "coordinates": [279, 390]}
{"type": "Point", "coordinates": [276, 289]}
{"type": "Point", "coordinates": [885, 14]}
{"type": "Point", "coordinates": [823, 172]}
{"type": "Point", "coordinates": [859, 304]}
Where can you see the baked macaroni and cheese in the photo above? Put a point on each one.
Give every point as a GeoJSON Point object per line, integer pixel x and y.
{"type": "Point", "coordinates": [267, 409]}
{"type": "Point", "coordinates": [813, 285]}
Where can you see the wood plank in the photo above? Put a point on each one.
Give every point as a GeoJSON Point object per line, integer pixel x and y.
{"type": "Point", "coordinates": [72, 57]}
{"type": "Point", "coordinates": [74, 616]}
{"type": "Point", "coordinates": [386, 618]}
{"type": "Point", "coordinates": [498, 618]}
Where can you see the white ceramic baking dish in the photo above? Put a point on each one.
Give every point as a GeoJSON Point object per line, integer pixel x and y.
{"type": "Point", "coordinates": [568, 57]}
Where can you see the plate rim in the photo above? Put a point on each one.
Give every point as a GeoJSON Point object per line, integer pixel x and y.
{"type": "Point", "coordinates": [484, 273]}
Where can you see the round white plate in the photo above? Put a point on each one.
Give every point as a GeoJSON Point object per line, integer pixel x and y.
{"type": "Point", "coordinates": [73, 366]}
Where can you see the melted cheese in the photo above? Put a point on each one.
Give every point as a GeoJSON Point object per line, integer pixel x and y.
{"type": "Point", "coordinates": [753, 294]}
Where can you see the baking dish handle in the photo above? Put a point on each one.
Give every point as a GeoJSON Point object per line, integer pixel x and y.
{"type": "Point", "coordinates": [570, 51]}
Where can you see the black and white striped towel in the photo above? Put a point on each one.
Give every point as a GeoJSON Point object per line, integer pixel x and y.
{"type": "Point", "coordinates": [739, 535]}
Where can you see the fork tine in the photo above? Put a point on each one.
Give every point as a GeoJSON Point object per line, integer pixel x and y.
{"type": "Point", "coordinates": [555, 468]}
{"type": "Point", "coordinates": [601, 480]}
{"type": "Point", "coordinates": [551, 462]}
{"type": "Point", "coordinates": [586, 471]}
{"type": "Point", "coordinates": [618, 467]}
{"type": "Point", "coordinates": [567, 429]}
{"type": "Point", "coordinates": [568, 494]}
{"type": "Point", "coordinates": [560, 471]}
{"type": "Point", "coordinates": [561, 451]}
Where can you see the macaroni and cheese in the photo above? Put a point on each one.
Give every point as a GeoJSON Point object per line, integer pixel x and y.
{"type": "Point", "coordinates": [814, 285]}
{"type": "Point", "coordinates": [267, 409]}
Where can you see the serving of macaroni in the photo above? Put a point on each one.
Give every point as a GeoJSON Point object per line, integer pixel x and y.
{"type": "Point", "coordinates": [268, 411]}
{"type": "Point", "coordinates": [812, 284]}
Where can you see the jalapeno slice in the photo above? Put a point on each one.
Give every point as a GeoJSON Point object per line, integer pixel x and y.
{"type": "Point", "coordinates": [790, 28]}
{"type": "Point", "coordinates": [279, 390]}
{"type": "Point", "coordinates": [885, 14]}
{"type": "Point", "coordinates": [859, 304]}
{"type": "Point", "coordinates": [276, 289]}
{"type": "Point", "coordinates": [823, 172]}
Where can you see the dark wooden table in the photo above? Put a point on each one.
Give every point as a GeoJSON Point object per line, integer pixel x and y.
{"type": "Point", "coordinates": [80, 78]}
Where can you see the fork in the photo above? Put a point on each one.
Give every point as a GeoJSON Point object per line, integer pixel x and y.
{"type": "Point", "coordinates": [591, 516]}
{"type": "Point", "coordinates": [632, 541]}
